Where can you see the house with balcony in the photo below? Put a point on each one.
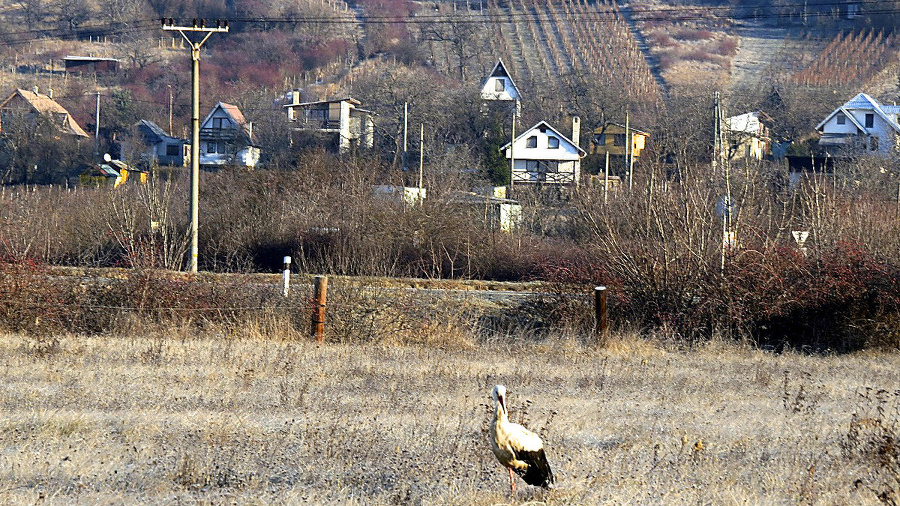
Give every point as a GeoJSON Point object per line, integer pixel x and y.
{"type": "Point", "coordinates": [861, 125]}
{"type": "Point", "coordinates": [226, 139]}
{"type": "Point", "coordinates": [543, 155]}
{"type": "Point", "coordinates": [340, 124]}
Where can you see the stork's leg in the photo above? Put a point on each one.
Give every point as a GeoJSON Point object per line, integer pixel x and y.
{"type": "Point", "coordinates": [512, 482]}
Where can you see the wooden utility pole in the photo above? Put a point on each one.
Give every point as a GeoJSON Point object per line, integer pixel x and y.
{"type": "Point", "coordinates": [168, 24]}
{"type": "Point", "coordinates": [320, 297]}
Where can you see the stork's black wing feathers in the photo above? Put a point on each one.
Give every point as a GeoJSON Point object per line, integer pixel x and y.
{"type": "Point", "coordinates": [538, 472]}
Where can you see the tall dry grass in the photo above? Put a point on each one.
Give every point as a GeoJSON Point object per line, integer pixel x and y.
{"type": "Point", "coordinates": [244, 416]}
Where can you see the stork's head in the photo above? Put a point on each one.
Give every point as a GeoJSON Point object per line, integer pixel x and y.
{"type": "Point", "coordinates": [500, 396]}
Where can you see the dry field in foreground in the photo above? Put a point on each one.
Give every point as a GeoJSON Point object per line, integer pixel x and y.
{"type": "Point", "coordinates": [183, 419]}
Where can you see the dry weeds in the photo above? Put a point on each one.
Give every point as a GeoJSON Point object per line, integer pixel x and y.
{"type": "Point", "coordinates": [173, 417]}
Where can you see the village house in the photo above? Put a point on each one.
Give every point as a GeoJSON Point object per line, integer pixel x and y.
{"type": "Point", "coordinates": [499, 85]}
{"type": "Point", "coordinates": [861, 125]}
{"type": "Point", "coordinates": [32, 104]}
{"type": "Point", "coordinates": [340, 123]}
{"type": "Point", "coordinates": [541, 154]}
{"type": "Point", "coordinates": [113, 173]}
{"type": "Point", "coordinates": [611, 138]}
{"type": "Point", "coordinates": [156, 146]}
{"type": "Point", "coordinates": [226, 138]}
{"type": "Point", "coordinates": [748, 136]}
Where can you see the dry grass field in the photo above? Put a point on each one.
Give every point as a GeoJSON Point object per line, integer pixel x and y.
{"type": "Point", "coordinates": [180, 418]}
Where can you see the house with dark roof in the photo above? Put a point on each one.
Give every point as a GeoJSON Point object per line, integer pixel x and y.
{"type": "Point", "coordinates": [861, 124]}
{"type": "Point", "coordinates": [34, 104]}
{"type": "Point", "coordinates": [499, 85]}
{"type": "Point", "coordinates": [156, 146]}
{"type": "Point", "coordinates": [226, 138]}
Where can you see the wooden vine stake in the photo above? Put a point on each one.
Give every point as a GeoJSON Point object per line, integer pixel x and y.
{"type": "Point", "coordinates": [320, 295]}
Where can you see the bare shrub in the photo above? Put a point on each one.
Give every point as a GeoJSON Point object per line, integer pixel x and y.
{"type": "Point", "coordinates": [873, 441]}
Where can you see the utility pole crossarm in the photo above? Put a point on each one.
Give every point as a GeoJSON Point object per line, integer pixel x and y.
{"type": "Point", "coordinates": [168, 24]}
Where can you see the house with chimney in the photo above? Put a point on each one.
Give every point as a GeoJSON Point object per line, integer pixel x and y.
{"type": "Point", "coordinates": [543, 155]}
{"type": "Point", "coordinates": [33, 105]}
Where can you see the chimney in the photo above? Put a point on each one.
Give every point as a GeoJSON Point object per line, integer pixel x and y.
{"type": "Point", "coordinates": [576, 131]}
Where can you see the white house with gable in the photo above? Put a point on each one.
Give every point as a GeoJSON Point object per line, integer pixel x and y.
{"type": "Point", "coordinates": [543, 155]}
{"type": "Point", "coordinates": [226, 138]}
{"type": "Point", "coordinates": [499, 85]}
{"type": "Point", "coordinates": [861, 124]}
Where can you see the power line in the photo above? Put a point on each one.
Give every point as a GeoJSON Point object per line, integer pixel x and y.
{"type": "Point", "coordinates": [598, 15]}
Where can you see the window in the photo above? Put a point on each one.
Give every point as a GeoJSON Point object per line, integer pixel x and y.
{"type": "Point", "coordinates": [172, 150]}
{"type": "Point", "coordinates": [550, 166]}
{"type": "Point", "coordinates": [619, 140]}
{"type": "Point", "coordinates": [531, 165]}
{"type": "Point", "coordinates": [870, 120]}
{"type": "Point", "coordinates": [499, 85]}
{"type": "Point", "coordinates": [873, 143]}
{"type": "Point", "coordinates": [210, 147]}
{"type": "Point", "coordinates": [531, 142]}
{"type": "Point", "coordinates": [553, 142]}
{"type": "Point", "coordinates": [220, 123]}
{"type": "Point", "coordinates": [601, 139]}
{"type": "Point", "coordinates": [221, 148]}
{"type": "Point", "coordinates": [841, 118]}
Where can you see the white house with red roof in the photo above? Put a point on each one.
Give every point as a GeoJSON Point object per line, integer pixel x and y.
{"type": "Point", "coordinates": [226, 138]}
{"type": "Point", "coordinates": [861, 124]}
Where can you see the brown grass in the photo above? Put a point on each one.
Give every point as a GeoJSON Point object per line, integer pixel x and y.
{"type": "Point", "coordinates": [170, 416]}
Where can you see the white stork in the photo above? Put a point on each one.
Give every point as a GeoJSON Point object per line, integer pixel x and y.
{"type": "Point", "coordinates": [518, 448]}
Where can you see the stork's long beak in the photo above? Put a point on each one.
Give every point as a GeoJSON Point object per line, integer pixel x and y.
{"type": "Point", "coordinates": [502, 400]}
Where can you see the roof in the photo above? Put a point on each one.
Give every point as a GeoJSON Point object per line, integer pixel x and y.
{"type": "Point", "coordinates": [43, 104]}
{"type": "Point", "coordinates": [322, 102]}
{"type": "Point", "coordinates": [749, 122]}
{"type": "Point", "coordinates": [610, 123]}
{"type": "Point", "coordinates": [101, 169]}
{"type": "Point", "coordinates": [89, 58]}
{"type": "Point", "coordinates": [38, 101]}
{"type": "Point", "coordinates": [234, 112]}
{"type": "Point", "coordinates": [499, 70]}
{"type": "Point", "coordinates": [547, 125]}
{"type": "Point", "coordinates": [151, 131]}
